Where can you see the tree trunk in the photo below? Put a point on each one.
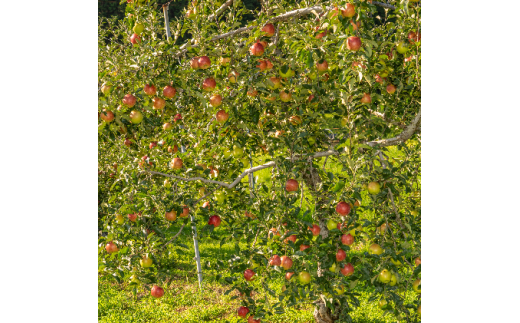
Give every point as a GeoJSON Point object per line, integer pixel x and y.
{"type": "Point", "coordinates": [322, 314]}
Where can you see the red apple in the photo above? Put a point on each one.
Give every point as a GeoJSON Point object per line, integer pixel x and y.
{"type": "Point", "coordinates": [291, 185]}
{"type": "Point", "coordinates": [214, 220]}
{"type": "Point", "coordinates": [347, 239]}
{"type": "Point", "coordinates": [209, 84]}
{"type": "Point", "coordinates": [257, 49]}
{"type": "Point", "coordinates": [277, 82]}
{"type": "Point", "coordinates": [343, 208]}
{"type": "Point", "coordinates": [111, 247]}
{"type": "Point", "coordinates": [204, 62]}
{"type": "Point", "coordinates": [304, 246]}
{"type": "Point", "coordinates": [177, 117]}
{"type": "Point", "coordinates": [285, 97]}
{"type": "Point", "coordinates": [252, 92]}
{"type": "Point", "coordinates": [366, 98]}
{"type": "Point", "coordinates": [176, 163]}
{"type": "Point", "coordinates": [288, 274]}
{"type": "Point", "coordinates": [127, 142]}
{"type": "Point", "coordinates": [157, 291]}
{"type": "Point", "coordinates": [269, 64]}
{"type": "Point", "coordinates": [323, 66]}
{"type": "Point", "coordinates": [185, 212]}
{"type": "Point", "coordinates": [262, 65]}
{"type": "Point", "coordinates": [132, 217]}
{"type": "Point", "coordinates": [171, 216]}
{"type": "Point", "coordinates": [107, 116]}
{"type": "Point", "coordinates": [194, 63]}
{"type": "Point", "coordinates": [275, 261]}
{"type": "Point", "coordinates": [153, 144]}
{"type": "Point", "coordinates": [355, 25]}
{"type": "Point", "coordinates": [413, 36]}
{"type": "Point", "coordinates": [290, 238]}
{"type": "Point", "coordinates": [353, 43]}
{"type": "Point", "coordinates": [243, 311]}
{"type": "Point", "coordinates": [375, 249]}
{"type": "Point", "coordinates": [379, 79]}
{"type": "Point", "coordinates": [321, 35]}
{"type": "Point", "coordinates": [417, 261]}
{"type": "Point", "coordinates": [222, 116]}
{"type": "Point", "coordinates": [315, 230]}
{"type": "Point", "coordinates": [269, 30]}
{"type": "Point", "coordinates": [248, 274]}
{"type": "Point", "coordinates": [341, 255]}
{"type": "Point", "coordinates": [286, 262]}
{"type": "Point", "coordinates": [169, 92]}
{"type": "Point", "coordinates": [149, 89]}
{"type": "Point", "coordinates": [167, 126]}
{"type": "Point", "coordinates": [251, 319]}
{"type": "Point", "coordinates": [349, 11]}
{"type": "Point", "coordinates": [347, 270]}
{"type": "Point", "coordinates": [134, 39]}
{"type": "Point", "coordinates": [129, 100]}
{"type": "Point", "coordinates": [390, 88]}
{"type": "Point", "coordinates": [173, 149]}
{"type": "Point", "coordinates": [215, 100]}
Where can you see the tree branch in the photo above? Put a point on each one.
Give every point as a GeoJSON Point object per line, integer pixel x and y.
{"type": "Point", "coordinates": [382, 116]}
{"type": "Point", "coordinates": [175, 236]}
{"type": "Point", "coordinates": [403, 136]}
{"type": "Point", "coordinates": [384, 5]}
{"type": "Point", "coordinates": [219, 10]}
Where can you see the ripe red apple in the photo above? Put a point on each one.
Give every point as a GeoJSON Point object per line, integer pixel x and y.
{"type": "Point", "coordinates": [315, 230]}
{"type": "Point", "coordinates": [170, 216]}
{"type": "Point", "coordinates": [215, 100]}
{"type": "Point", "coordinates": [107, 116]}
{"type": "Point", "coordinates": [194, 63]}
{"type": "Point", "coordinates": [413, 36]}
{"type": "Point", "coordinates": [304, 277]}
{"type": "Point", "coordinates": [149, 89]}
{"type": "Point", "coordinates": [173, 149]}
{"type": "Point", "coordinates": [343, 208]}
{"type": "Point", "coordinates": [321, 35]}
{"type": "Point", "coordinates": [341, 255]}
{"type": "Point", "coordinates": [366, 98]}
{"type": "Point", "coordinates": [275, 261]}
{"type": "Point", "coordinates": [127, 142]}
{"type": "Point", "coordinates": [347, 270]}
{"type": "Point", "coordinates": [157, 291]}
{"type": "Point", "coordinates": [257, 49]}
{"type": "Point", "coordinates": [248, 274]}
{"type": "Point", "coordinates": [304, 246]}
{"type": "Point", "coordinates": [269, 64]}
{"type": "Point", "coordinates": [390, 88]}
{"type": "Point", "coordinates": [349, 11]}
{"type": "Point", "coordinates": [285, 97]}
{"type": "Point", "coordinates": [252, 92]}
{"type": "Point", "coordinates": [417, 261]}
{"type": "Point", "coordinates": [286, 262]}
{"type": "Point", "coordinates": [347, 239]}
{"type": "Point", "coordinates": [134, 39]}
{"type": "Point", "coordinates": [204, 62]}
{"type": "Point", "coordinates": [167, 126]}
{"type": "Point", "coordinates": [177, 117]}
{"type": "Point", "coordinates": [129, 100]}
{"type": "Point", "coordinates": [214, 220]}
{"type": "Point", "coordinates": [291, 185]}
{"type": "Point", "coordinates": [153, 144]}
{"type": "Point", "coordinates": [206, 205]}
{"type": "Point", "coordinates": [379, 79]}
{"type": "Point", "coordinates": [269, 30]}
{"type": "Point", "coordinates": [169, 92]}
{"type": "Point", "coordinates": [277, 83]}
{"type": "Point", "coordinates": [176, 163]}
{"type": "Point", "coordinates": [251, 319]}
{"type": "Point", "coordinates": [185, 211]}
{"type": "Point", "coordinates": [353, 43]}
{"type": "Point", "coordinates": [222, 116]}
{"type": "Point", "coordinates": [288, 275]}
{"type": "Point", "coordinates": [111, 247]}
{"type": "Point", "coordinates": [132, 217]}
{"type": "Point", "coordinates": [290, 238]}
{"type": "Point", "coordinates": [209, 84]}
{"type": "Point", "coordinates": [262, 65]}
{"type": "Point", "coordinates": [243, 311]}
{"type": "Point", "coordinates": [323, 66]}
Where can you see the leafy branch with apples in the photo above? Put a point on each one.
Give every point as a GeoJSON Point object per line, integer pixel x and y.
{"type": "Point", "coordinates": [323, 97]}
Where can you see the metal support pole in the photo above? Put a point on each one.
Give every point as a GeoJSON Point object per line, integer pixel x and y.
{"type": "Point", "coordinates": [197, 254]}
{"type": "Point", "coordinates": [167, 21]}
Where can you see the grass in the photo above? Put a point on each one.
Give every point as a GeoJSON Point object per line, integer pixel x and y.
{"type": "Point", "coordinates": [183, 301]}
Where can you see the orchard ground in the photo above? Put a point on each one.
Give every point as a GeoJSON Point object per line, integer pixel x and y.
{"type": "Point", "coordinates": [183, 301]}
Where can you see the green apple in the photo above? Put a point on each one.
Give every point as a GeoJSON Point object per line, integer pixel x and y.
{"type": "Point", "coordinates": [374, 188]}
{"type": "Point", "coordinates": [227, 153]}
{"type": "Point", "coordinates": [138, 28]}
{"type": "Point", "coordinates": [304, 277]}
{"type": "Point", "coordinates": [402, 47]}
{"type": "Point", "coordinates": [393, 280]}
{"type": "Point", "coordinates": [333, 267]}
{"type": "Point", "coordinates": [416, 285]}
{"type": "Point", "coordinates": [134, 279]}
{"type": "Point", "coordinates": [344, 121]}
{"type": "Point", "coordinates": [382, 303]}
{"type": "Point", "coordinates": [220, 197]}
{"type": "Point", "coordinates": [331, 224]}
{"type": "Point", "coordinates": [311, 140]}
{"type": "Point", "coordinates": [385, 276]}
{"type": "Point", "coordinates": [167, 183]}
{"type": "Point", "coordinates": [238, 152]}
{"type": "Point", "coordinates": [375, 249]}
{"type": "Point", "coordinates": [339, 290]}
{"type": "Point", "coordinates": [146, 262]}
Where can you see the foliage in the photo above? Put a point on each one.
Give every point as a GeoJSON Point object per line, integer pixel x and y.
{"type": "Point", "coordinates": [267, 127]}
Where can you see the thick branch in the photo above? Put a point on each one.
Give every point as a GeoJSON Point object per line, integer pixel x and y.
{"type": "Point", "coordinates": [403, 136]}
{"type": "Point", "coordinates": [239, 178]}
{"type": "Point", "coordinates": [219, 10]}
{"type": "Point", "coordinates": [384, 5]}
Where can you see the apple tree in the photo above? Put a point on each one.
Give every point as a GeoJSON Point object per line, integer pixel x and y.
{"type": "Point", "coordinates": [325, 95]}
